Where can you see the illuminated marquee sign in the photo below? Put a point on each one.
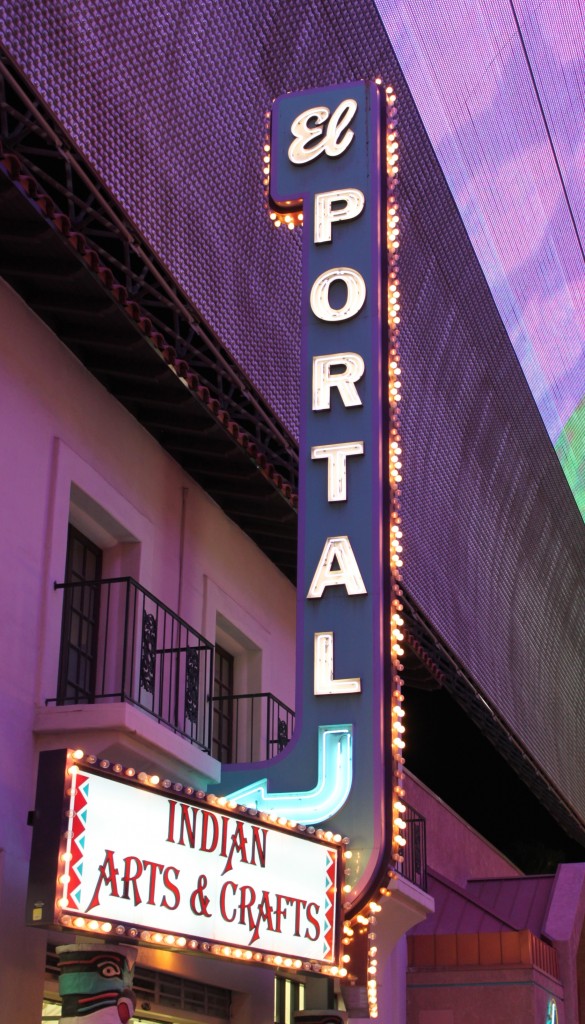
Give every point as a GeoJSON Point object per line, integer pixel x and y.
{"type": "Point", "coordinates": [326, 166]}
{"type": "Point", "coordinates": [113, 855]}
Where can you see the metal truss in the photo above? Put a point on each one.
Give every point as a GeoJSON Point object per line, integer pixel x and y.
{"type": "Point", "coordinates": [43, 147]}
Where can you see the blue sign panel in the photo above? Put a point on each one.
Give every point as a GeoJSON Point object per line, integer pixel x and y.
{"type": "Point", "coordinates": [328, 167]}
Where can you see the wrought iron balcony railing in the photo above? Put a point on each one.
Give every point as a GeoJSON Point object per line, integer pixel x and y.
{"type": "Point", "coordinates": [120, 643]}
{"type": "Point", "coordinates": [412, 863]}
{"type": "Point", "coordinates": [260, 725]}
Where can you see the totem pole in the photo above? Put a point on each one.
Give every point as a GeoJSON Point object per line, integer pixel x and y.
{"type": "Point", "coordinates": [95, 983]}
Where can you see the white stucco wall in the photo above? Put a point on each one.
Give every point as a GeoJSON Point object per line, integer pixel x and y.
{"type": "Point", "coordinates": [61, 429]}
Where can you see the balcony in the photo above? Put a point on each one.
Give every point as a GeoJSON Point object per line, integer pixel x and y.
{"type": "Point", "coordinates": [123, 649]}
{"type": "Point", "coordinates": [260, 726]}
{"type": "Point", "coordinates": [119, 643]}
{"type": "Point", "coordinates": [412, 862]}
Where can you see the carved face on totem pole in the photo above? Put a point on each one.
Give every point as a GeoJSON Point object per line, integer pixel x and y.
{"type": "Point", "coordinates": [95, 983]}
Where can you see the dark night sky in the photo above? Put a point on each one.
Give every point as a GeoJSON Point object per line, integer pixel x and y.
{"type": "Point", "coordinates": [448, 752]}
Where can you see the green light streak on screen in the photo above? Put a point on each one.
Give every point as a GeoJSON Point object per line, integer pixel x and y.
{"type": "Point", "coordinates": [570, 448]}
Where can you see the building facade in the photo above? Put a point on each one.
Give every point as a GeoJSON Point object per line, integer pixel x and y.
{"type": "Point", "coordinates": [111, 495]}
{"type": "Point", "coordinates": [141, 459]}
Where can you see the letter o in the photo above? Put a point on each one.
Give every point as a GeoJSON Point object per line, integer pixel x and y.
{"type": "Point", "coordinates": [356, 294]}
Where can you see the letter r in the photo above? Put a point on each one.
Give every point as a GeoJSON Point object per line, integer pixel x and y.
{"type": "Point", "coordinates": [324, 379]}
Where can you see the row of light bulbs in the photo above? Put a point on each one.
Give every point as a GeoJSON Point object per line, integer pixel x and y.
{"type": "Point", "coordinates": [95, 926]}
{"type": "Point", "coordinates": [290, 220]}
{"type": "Point", "coordinates": [367, 922]}
{"type": "Point", "coordinates": [219, 802]}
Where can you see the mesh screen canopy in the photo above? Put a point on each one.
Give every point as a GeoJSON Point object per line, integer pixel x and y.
{"type": "Point", "coordinates": [498, 86]}
{"type": "Point", "coordinates": [168, 100]}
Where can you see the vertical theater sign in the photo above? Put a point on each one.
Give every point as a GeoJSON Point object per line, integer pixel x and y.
{"type": "Point", "coordinates": [267, 868]}
{"type": "Point", "coordinates": [330, 165]}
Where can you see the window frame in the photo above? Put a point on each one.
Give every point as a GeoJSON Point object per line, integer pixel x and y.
{"type": "Point", "coordinates": [68, 691]}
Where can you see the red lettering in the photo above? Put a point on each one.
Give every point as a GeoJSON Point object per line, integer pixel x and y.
{"type": "Point", "coordinates": [171, 832]}
{"type": "Point", "coordinates": [199, 902]}
{"type": "Point", "coordinates": [131, 878]}
{"type": "Point", "coordinates": [312, 920]}
{"type": "Point", "coordinates": [280, 911]}
{"type": "Point", "coordinates": [264, 914]}
{"type": "Point", "coordinates": [222, 896]}
{"type": "Point", "coordinates": [172, 889]}
{"type": "Point", "coordinates": [298, 905]}
{"type": "Point", "coordinates": [107, 876]}
{"type": "Point", "coordinates": [238, 846]}
{"type": "Point", "coordinates": [152, 883]}
{"type": "Point", "coordinates": [188, 816]}
{"type": "Point", "coordinates": [259, 845]}
{"type": "Point", "coordinates": [224, 825]}
{"type": "Point", "coordinates": [209, 819]}
{"type": "Point", "coordinates": [246, 904]}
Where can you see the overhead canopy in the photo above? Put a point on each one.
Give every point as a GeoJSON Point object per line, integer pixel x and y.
{"type": "Point", "coordinates": [494, 541]}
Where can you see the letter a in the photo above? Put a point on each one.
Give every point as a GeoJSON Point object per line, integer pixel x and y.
{"type": "Point", "coordinates": [348, 575]}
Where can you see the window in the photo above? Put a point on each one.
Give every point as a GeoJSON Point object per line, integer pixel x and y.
{"type": "Point", "coordinates": [249, 724]}
{"type": "Point", "coordinates": [51, 1010]}
{"type": "Point", "coordinates": [222, 719]}
{"type": "Point", "coordinates": [289, 996]}
{"type": "Point", "coordinates": [159, 988]}
{"type": "Point", "coordinates": [77, 667]}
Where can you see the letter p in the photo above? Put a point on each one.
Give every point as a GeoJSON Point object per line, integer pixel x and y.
{"type": "Point", "coordinates": [353, 203]}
